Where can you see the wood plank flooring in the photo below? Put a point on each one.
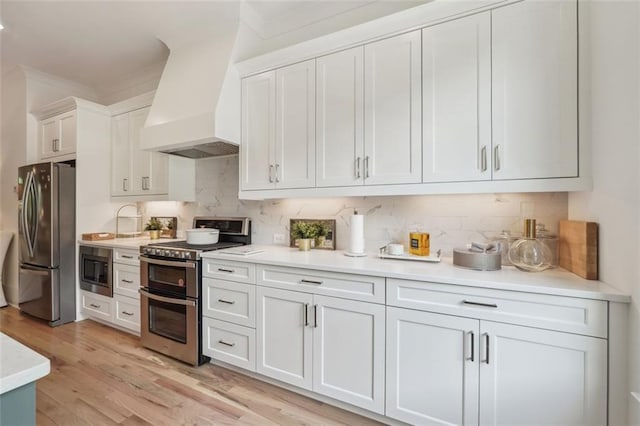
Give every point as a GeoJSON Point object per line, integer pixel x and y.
{"type": "Point", "coordinates": [102, 376]}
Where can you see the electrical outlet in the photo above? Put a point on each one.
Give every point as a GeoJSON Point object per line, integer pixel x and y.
{"type": "Point", "coordinates": [278, 239]}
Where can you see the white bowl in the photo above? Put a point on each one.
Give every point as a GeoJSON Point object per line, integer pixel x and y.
{"type": "Point", "coordinates": [202, 236]}
{"type": "Point", "coordinates": [395, 249]}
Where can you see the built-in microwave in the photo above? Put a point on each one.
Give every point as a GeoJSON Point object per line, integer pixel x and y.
{"type": "Point", "coordinates": [95, 270]}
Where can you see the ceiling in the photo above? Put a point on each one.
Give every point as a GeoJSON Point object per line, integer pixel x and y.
{"type": "Point", "coordinates": [105, 44]}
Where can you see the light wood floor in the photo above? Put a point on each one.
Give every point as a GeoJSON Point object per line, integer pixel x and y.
{"type": "Point", "coordinates": [101, 376]}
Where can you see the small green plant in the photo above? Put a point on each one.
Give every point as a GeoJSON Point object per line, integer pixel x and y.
{"type": "Point", "coordinates": [302, 230]}
{"type": "Point", "coordinates": [154, 224]}
{"type": "Point", "coordinates": [322, 229]}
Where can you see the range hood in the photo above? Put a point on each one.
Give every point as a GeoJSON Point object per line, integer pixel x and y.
{"type": "Point", "coordinates": [194, 112]}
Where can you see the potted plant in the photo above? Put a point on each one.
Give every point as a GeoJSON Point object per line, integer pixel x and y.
{"type": "Point", "coordinates": [154, 226]}
{"type": "Point", "coordinates": [304, 232]}
{"type": "Point", "coordinates": [321, 230]}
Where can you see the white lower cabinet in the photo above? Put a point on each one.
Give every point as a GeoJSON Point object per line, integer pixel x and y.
{"type": "Point", "coordinates": [230, 343]}
{"type": "Point", "coordinates": [127, 312]}
{"type": "Point", "coordinates": [97, 306]}
{"type": "Point", "coordinates": [332, 346]}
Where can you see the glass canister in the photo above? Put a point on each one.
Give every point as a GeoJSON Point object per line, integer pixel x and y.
{"type": "Point", "coordinates": [547, 238]}
{"type": "Point", "coordinates": [502, 243]}
{"type": "Point", "coordinates": [528, 253]}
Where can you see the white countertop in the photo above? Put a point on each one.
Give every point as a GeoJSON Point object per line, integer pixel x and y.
{"type": "Point", "coordinates": [126, 243]}
{"type": "Point", "coordinates": [557, 281]}
{"type": "Point", "coordinates": [19, 365]}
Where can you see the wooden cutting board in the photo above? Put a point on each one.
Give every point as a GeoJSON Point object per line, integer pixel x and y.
{"type": "Point", "coordinates": [578, 248]}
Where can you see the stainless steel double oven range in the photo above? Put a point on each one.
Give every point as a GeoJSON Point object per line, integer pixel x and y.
{"type": "Point", "coordinates": [171, 289]}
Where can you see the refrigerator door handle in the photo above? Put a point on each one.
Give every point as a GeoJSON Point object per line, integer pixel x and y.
{"type": "Point", "coordinates": [27, 219]}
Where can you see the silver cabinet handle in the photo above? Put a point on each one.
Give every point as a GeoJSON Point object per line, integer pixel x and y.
{"type": "Point", "coordinates": [366, 166]}
{"type": "Point", "coordinates": [358, 168]}
{"type": "Point", "coordinates": [129, 314]}
{"type": "Point", "coordinates": [277, 172]}
{"type": "Point", "coordinates": [473, 349]}
{"type": "Point", "coordinates": [228, 302]}
{"type": "Point", "coordinates": [125, 184]}
{"type": "Point", "coordinates": [305, 315]}
{"type": "Point", "coordinates": [127, 281]}
{"type": "Point", "coordinates": [146, 183]}
{"type": "Point", "coordinates": [496, 158]}
{"type": "Point", "coordinates": [222, 342]}
{"type": "Point", "coordinates": [55, 147]}
{"type": "Point", "coordinates": [486, 347]}
{"type": "Point", "coordinates": [270, 173]}
{"type": "Point", "coordinates": [93, 305]}
{"type": "Point", "coordinates": [126, 256]}
{"type": "Point", "coordinates": [228, 271]}
{"type": "Point", "coordinates": [304, 281]}
{"type": "Point", "coordinates": [486, 305]}
{"type": "Point", "coordinates": [483, 159]}
{"type": "Point", "coordinates": [315, 316]}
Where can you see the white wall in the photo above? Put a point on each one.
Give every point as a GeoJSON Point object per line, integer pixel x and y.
{"type": "Point", "coordinates": [613, 128]}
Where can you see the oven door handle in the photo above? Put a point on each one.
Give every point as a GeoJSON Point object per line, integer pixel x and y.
{"type": "Point", "coordinates": [170, 300]}
{"type": "Point", "coordinates": [191, 265]}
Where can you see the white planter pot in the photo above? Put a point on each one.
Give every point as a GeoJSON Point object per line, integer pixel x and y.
{"type": "Point", "coordinates": [202, 236]}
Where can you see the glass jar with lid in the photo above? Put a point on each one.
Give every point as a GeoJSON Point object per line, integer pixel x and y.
{"type": "Point", "coordinates": [528, 253]}
{"type": "Point", "coordinates": [547, 238]}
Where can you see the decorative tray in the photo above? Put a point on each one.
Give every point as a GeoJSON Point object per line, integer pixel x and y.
{"type": "Point", "coordinates": [433, 257]}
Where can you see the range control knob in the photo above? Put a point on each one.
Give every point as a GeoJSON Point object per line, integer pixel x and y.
{"type": "Point", "coordinates": [187, 255]}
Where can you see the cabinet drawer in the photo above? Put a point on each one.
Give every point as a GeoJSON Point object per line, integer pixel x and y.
{"type": "Point", "coordinates": [346, 286]}
{"type": "Point", "coordinates": [573, 315]}
{"type": "Point", "coordinates": [127, 313]}
{"type": "Point", "coordinates": [229, 301]}
{"type": "Point", "coordinates": [97, 306]}
{"type": "Point", "coordinates": [126, 256]}
{"type": "Point", "coordinates": [230, 343]}
{"type": "Point", "coordinates": [229, 270]}
{"type": "Point", "coordinates": [126, 280]}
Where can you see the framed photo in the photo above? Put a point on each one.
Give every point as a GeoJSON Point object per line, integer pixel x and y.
{"type": "Point", "coordinates": [169, 228]}
{"type": "Point", "coordinates": [326, 243]}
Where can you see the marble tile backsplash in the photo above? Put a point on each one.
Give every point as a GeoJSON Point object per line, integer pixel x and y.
{"type": "Point", "coordinates": [451, 220]}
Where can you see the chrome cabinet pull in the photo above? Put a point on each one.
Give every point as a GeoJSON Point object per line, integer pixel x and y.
{"type": "Point", "coordinates": [305, 281]}
{"type": "Point", "coordinates": [127, 281]}
{"type": "Point", "coordinates": [93, 305]}
{"type": "Point", "coordinates": [55, 147]}
{"type": "Point", "coordinates": [315, 316]}
{"type": "Point", "coordinates": [232, 302]}
{"type": "Point", "coordinates": [358, 168]}
{"type": "Point", "coordinates": [125, 184]}
{"type": "Point", "coordinates": [486, 348]}
{"type": "Point", "coordinates": [270, 173]}
{"type": "Point", "coordinates": [486, 305]}
{"type": "Point", "coordinates": [305, 315]}
{"type": "Point", "coordinates": [126, 256]}
{"type": "Point", "coordinates": [228, 271]}
{"type": "Point", "coordinates": [496, 158]}
{"type": "Point", "coordinates": [366, 166]}
{"type": "Point", "coordinates": [222, 342]}
{"type": "Point", "coordinates": [129, 314]}
{"type": "Point", "coordinates": [473, 349]}
{"type": "Point", "coordinates": [277, 172]}
{"type": "Point", "coordinates": [483, 159]}
{"type": "Point", "coordinates": [146, 183]}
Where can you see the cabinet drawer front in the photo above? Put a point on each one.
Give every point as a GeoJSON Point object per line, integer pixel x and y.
{"type": "Point", "coordinates": [97, 306]}
{"type": "Point", "coordinates": [126, 256]}
{"type": "Point", "coordinates": [230, 343]}
{"type": "Point", "coordinates": [229, 301]}
{"type": "Point", "coordinates": [126, 280]}
{"type": "Point", "coordinates": [573, 315]}
{"type": "Point", "coordinates": [229, 270]}
{"type": "Point", "coordinates": [127, 313]}
{"type": "Point", "coordinates": [346, 286]}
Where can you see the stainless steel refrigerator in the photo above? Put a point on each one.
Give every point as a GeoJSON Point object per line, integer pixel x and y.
{"type": "Point", "coordinates": [46, 216]}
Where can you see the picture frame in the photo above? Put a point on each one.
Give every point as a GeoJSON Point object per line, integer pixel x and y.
{"type": "Point", "coordinates": [329, 242]}
{"type": "Point", "coordinates": [170, 226]}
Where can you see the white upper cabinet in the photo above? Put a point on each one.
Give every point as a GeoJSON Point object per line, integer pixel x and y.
{"type": "Point", "coordinates": [392, 105]}
{"type": "Point", "coordinates": [149, 169]}
{"type": "Point", "coordinates": [278, 128]}
{"type": "Point", "coordinates": [535, 90]}
{"type": "Point", "coordinates": [294, 162]}
{"type": "Point", "coordinates": [120, 156]}
{"type": "Point", "coordinates": [57, 136]}
{"type": "Point", "coordinates": [456, 72]}
{"type": "Point", "coordinates": [340, 118]}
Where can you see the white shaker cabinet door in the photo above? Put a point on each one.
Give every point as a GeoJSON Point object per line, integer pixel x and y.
{"type": "Point", "coordinates": [295, 126]}
{"type": "Point", "coordinates": [456, 59]}
{"type": "Point", "coordinates": [534, 47]}
{"type": "Point", "coordinates": [340, 118]}
{"type": "Point", "coordinates": [284, 336]}
{"type": "Point", "coordinates": [120, 156]}
{"type": "Point", "coordinates": [432, 368]}
{"type": "Point", "coordinates": [349, 351]}
{"type": "Point", "coordinates": [149, 169]}
{"type": "Point", "coordinates": [393, 97]}
{"type": "Point", "coordinates": [539, 377]}
{"type": "Point", "coordinates": [258, 132]}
